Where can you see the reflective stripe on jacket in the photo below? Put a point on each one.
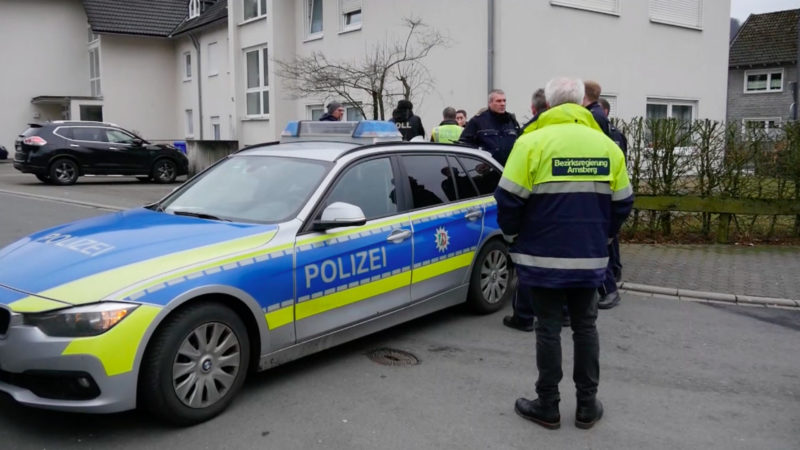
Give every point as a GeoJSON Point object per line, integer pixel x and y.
{"type": "Point", "coordinates": [563, 193]}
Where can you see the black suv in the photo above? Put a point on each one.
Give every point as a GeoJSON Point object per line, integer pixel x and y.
{"type": "Point", "coordinates": [59, 152]}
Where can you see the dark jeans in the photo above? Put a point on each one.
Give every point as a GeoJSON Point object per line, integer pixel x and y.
{"type": "Point", "coordinates": [582, 306]}
{"type": "Point", "coordinates": [613, 270]}
{"type": "Point", "coordinates": [523, 304]}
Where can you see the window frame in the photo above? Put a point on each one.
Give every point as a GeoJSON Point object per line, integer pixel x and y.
{"type": "Point", "coordinates": [95, 81]}
{"type": "Point", "coordinates": [666, 21]}
{"type": "Point", "coordinates": [188, 115]}
{"type": "Point", "coordinates": [614, 10]}
{"type": "Point", "coordinates": [212, 59]}
{"type": "Point", "coordinates": [216, 127]}
{"type": "Point", "coordinates": [345, 12]}
{"type": "Point", "coordinates": [694, 104]}
{"type": "Point", "coordinates": [309, 20]}
{"type": "Point", "coordinates": [261, 10]}
{"type": "Point", "coordinates": [194, 9]}
{"type": "Point", "coordinates": [769, 73]}
{"type": "Point", "coordinates": [263, 56]}
{"type": "Point", "coordinates": [311, 108]}
{"type": "Point", "coordinates": [186, 57]}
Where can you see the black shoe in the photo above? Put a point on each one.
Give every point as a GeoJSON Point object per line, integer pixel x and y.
{"type": "Point", "coordinates": [517, 323]}
{"type": "Point", "coordinates": [588, 414]}
{"type": "Point", "coordinates": [609, 301]}
{"type": "Point", "coordinates": [535, 411]}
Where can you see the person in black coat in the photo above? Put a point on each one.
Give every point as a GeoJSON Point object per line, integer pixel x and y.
{"type": "Point", "coordinates": [409, 124]}
{"type": "Point", "coordinates": [493, 130]}
{"type": "Point", "coordinates": [334, 114]}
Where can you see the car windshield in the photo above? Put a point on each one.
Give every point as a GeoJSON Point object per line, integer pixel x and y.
{"type": "Point", "coordinates": [261, 189]}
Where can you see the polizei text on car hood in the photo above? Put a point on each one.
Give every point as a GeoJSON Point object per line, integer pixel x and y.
{"type": "Point", "coordinates": [94, 259]}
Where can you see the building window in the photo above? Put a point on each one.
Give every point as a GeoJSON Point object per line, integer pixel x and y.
{"type": "Point", "coordinates": [212, 59]}
{"type": "Point", "coordinates": [254, 8]}
{"type": "Point", "coordinates": [215, 128]}
{"type": "Point", "coordinates": [763, 81]}
{"type": "Point", "coordinates": [94, 71]}
{"type": "Point", "coordinates": [612, 105]}
{"type": "Point", "coordinates": [350, 12]}
{"type": "Point", "coordinates": [189, 123]}
{"type": "Point", "coordinates": [187, 66]}
{"type": "Point", "coordinates": [314, 112]}
{"type": "Point", "coordinates": [314, 18]}
{"type": "Point", "coordinates": [684, 13]}
{"type": "Point", "coordinates": [194, 8]}
{"type": "Point", "coordinates": [257, 83]}
{"type": "Point", "coordinates": [352, 113]}
{"type": "Point", "coordinates": [674, 109]}
{"type": "Point", "coordinates": [603, 6]}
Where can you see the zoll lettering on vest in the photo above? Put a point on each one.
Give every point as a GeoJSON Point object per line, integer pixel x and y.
{"type": "Point", "coordinates": [344, 267]}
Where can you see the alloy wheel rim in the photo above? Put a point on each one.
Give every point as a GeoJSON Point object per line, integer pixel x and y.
{"type": "Point", "coordinates": [165, 171]}
{"type": "Point", "coordinates": [494, 276]}
{"type": "Point", "coordinates": [206, 365]}
{"type": "Point", "coordinates": [65, 171]}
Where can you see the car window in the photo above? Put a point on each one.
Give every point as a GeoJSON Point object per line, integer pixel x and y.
{"type": "Point", "coordinates": [430, 180]}
{"type": "Point", "coordinates": [261, 189]}
{"type": "Point", "coordinates": [89, 134]}
{"type": "Point", "coordinates": [368, 185]}
{"type": "Point", "coordinates": [463, 184]}
{"type": "Point", "coordinates": [483, 174]}
{"type": "Point", "coordinates": [118, 137]}
{"type": "Point", "coordinates": [65, 132]}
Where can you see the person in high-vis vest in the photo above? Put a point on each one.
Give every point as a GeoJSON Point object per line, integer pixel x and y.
{"type": "Point", "coordinates": [563, 194]}
{"type": "Point", "coordinates": [448, 130]}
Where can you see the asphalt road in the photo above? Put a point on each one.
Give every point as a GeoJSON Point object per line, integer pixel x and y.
{"type": "Point", "coordinates": [673, 375]}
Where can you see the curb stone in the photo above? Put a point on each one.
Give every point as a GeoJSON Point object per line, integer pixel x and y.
{"type": "Point", "coordinates": [692, 295]}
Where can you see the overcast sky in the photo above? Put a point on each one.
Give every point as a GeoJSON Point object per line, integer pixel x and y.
{"type": "Point", "coordinates": [740, 9]}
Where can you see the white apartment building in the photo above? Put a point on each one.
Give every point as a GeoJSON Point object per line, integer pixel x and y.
{"type": "Point", "coordinates": [205, 69]}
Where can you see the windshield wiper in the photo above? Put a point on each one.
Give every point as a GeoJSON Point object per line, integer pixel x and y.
{"type": "Point", "coordinates": [199, 215]}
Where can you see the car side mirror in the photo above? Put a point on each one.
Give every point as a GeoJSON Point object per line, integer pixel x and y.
{"type": "Point", "coordinates": [138, 142]}
{"type": "Point", "coordinates": [340, 214]}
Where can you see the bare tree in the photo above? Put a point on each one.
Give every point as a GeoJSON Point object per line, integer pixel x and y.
{"type": "Point", "coordinates": [388, 70]}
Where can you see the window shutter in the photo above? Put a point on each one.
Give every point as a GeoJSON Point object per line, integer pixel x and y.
{"type": "Point", "coordinates": [607, 6]}
{"type": "Point", "coordinates": [686, 13]}
{"type": "Point", "coordinates": [349, 6]}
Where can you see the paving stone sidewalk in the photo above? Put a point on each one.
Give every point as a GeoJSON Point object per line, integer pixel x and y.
{"type": "Point", "coordinates": [767, 271]}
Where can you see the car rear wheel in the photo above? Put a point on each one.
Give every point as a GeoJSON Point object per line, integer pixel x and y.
{"type": "Point", "coordinates": [195, 364]}
{"type": "Point", "coordinates": [43, 178]}
{"type": "Point", "coordinates": [164, 171]}
{"type": "Point", "coordinates": [491, 281]}
{"type": "Point", "coordinates": [64, 172]}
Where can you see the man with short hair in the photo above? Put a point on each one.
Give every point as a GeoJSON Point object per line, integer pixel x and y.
{"type": "Point", "coordinates": [563, 194]}
{"type": "Point", "coordinates": [538, 106]}
{"type": "Point", "coordinates": [590, 98]}
{"type": "Point", "coordinates": [448, 130]}
{"type": "Point", "coordinates": [493, 130]}
{"type": "Point", "coordinates": [334, 114]}
{"type": "Point", "coordinates": [461, 117]}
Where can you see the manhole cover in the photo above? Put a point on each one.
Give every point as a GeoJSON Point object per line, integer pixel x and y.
{"type": "Point", "coordinates": [393, 357]}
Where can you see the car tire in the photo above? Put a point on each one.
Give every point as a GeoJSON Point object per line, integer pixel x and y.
{"type": "Point", "coordinates": [492, 280]}
{"type": "Point", "coordinates": [183, 383]}
{"type": "Point", "coordinates": [64, 171]}
{"type": "Point", "coordinates": [164, 171]}
{"type": "Point", "coordinates": [43, 178]}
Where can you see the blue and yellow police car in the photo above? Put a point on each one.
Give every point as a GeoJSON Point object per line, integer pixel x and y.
{"type": "Point", "coordinates": [275, 252]}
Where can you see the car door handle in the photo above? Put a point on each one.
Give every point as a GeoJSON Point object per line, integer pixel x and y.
{"type": "Point", "coordinates": [399, 235]}
{"type": "Point", "coordinates": [113, 148]}
{"type": "Point", "coordinates": [74, 145]}
{"type": "Point", "coordinates": [473, 215]}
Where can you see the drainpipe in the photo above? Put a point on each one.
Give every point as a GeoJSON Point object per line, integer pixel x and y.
{"type": "Point", "coordinates": [490, 47]}
{"type": "Point", "coordinates": [196, 43]}
{"type": "Point", "coordinates": [796, 87]}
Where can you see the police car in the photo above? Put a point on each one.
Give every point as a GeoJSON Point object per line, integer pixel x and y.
{"type": "Point", "coordinates": [275, 252]}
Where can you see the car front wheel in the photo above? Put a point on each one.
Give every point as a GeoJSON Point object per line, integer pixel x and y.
{"type": "Point", "coordinates": [491, 281]}
{"type": "Point", "coordinates": [195, 364]}
{"type": "Point", "coordinates": [64, 172]}
{"type": "Point", "coordinates": [164, 171]}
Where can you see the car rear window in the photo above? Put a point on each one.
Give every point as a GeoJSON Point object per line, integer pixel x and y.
{"type": "Point", "coordinates": [33, 130]}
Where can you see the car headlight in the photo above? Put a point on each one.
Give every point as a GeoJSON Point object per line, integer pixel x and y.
{"type": "Point", "coordinates": [80, 321]}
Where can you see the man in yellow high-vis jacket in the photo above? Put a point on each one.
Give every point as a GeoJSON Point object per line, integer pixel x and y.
{"type": "Point", "coordinates": [563, 194]}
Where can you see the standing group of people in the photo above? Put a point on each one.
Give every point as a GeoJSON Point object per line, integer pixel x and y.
{"type": "Point", "coordinates": [561, 202]}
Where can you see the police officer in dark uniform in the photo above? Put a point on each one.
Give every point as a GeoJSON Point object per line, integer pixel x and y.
{"type": "Point", "coordinates": [493, 130]}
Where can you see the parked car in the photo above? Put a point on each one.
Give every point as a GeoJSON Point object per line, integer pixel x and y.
{"type": "Point", "coordinates": [3, 152]}
{"type": "Point", "coordinates": [59, 152]}
{"type": "Point", "coordinates": [273, 253]}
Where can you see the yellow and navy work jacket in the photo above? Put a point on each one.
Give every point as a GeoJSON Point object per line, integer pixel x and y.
{"type": "Point", "coordinates": [564, 193]}
{"type": "Point", "coordinates": [447, 132]}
